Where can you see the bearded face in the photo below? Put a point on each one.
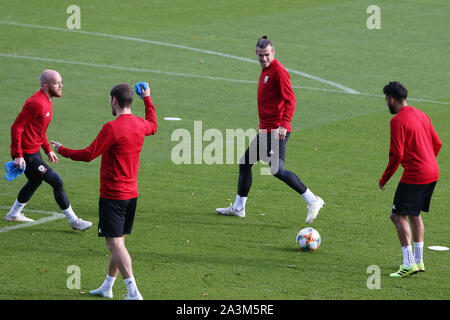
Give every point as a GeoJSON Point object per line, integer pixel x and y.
{"type": "Point", "coordinates": [390, 104]}
{"type": "Point", "coordinates": [54, 86]}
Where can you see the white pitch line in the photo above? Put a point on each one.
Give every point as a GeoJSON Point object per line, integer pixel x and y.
{"type": "Point", "coordinates": [409, 99]}
{"type": "Point", "coordinates": [53, 216]}
{"type": "Point", "coordinates": [178, 74]}
{"type": "Point", "coordinates": [96, 65]}
{"type": "Point", "coordinates": [179, 46]}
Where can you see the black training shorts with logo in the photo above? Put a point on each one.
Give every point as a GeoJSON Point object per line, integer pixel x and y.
{"type": "Point", "coordinates": [116, 217]}
{"type": "Point", "coordinates": [410, 199]}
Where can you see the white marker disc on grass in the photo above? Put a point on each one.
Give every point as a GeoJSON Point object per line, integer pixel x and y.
{"type": "Point", "coordinates": [172, 119]}
{"type": "Point", "coordinates": [438, 248]}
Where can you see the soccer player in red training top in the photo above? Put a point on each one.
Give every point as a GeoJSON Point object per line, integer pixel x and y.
{"type": "Point", "coordinates": [119, 142]}
{"type": "Point", "coordinates": [276, 105]}
{"type": "Point", "coordinates": [415, 145]}
{"type": "Point", "coordinates": [28, 135]}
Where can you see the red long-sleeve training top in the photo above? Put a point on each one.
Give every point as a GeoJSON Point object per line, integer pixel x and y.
{"type": "Point", "coordinates": [119, 142]}
{"type": "Point", "coordinates": [28, 132]}
{"type": "Point", "coordinates": [414, 144]}
{"type": "Point", "coordinates": [276, 99]}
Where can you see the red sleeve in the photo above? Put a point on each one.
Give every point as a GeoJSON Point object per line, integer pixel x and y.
{"type": "Point", "coordinates": [395, 151]}
{"type": "Point", "coordinates": [45, 143]}
{"type": "Point", "coordinates": [150, 116]}
{"type": "Point", "coordinates": [101, 143]}
{"type": "Point", "coordinates": [287, 94]}
{"type": "Point", "coordinates": [437, 143]}
{"type": "Point", "coordinates": [28, 113]}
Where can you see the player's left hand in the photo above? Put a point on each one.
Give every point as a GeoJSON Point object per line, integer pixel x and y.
{"type": "Point", "coordinates": [52, 157]}
{"type": "Point", "coordinates": [282, 133]}
{"type": "Point", "coordinates": [382, 187]}
{"type": "Point", "coordinates": [146, 90]}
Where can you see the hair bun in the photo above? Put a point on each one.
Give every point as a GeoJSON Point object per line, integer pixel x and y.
{"type": "Point", "coordinates": [263, 42]}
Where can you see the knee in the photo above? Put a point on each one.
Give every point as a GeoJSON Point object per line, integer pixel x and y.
{"type": "Point", "coordinates": [396, 218]}
{"type": "Point", "coordinates": [28, 190]}
{"type": "Point", "coordinates": [34, 184]}
{"type": "Point", "coordinates": [276, 172]}
{"type": "Point", "coordinates": [58, 185]}
{"type": "Point", "coordinates": [393, 217]}
{"type": "Point", "coordinates": [115, 244]}
{"type": "Point", "coordinates": [277, 169]}
{"type": "Point", "coordinates": [56, 182]}
{"type": "Point", "coordinates": [416, 220]}
{"type": "Point", "coordinates": [243, 167]}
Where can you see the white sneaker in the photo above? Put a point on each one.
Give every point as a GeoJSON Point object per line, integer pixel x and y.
{"type": "Point", "coordinates": [80, 224]}
{"type": "Point", "coordinates": [102, 293]}
{"type": "Point", "coordinates": [138, 296]}
{"type": "Point", "coordinates": [230, 211]}
{"type": "Point", "coordinates": [20, 217]}
{"type": "Point", "coordinates": [313, 210]}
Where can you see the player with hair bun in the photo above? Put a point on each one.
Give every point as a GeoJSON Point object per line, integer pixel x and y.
{"type": "Point", "coordinates": [276, 106]}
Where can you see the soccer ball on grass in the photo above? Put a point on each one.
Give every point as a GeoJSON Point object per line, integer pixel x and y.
{"type": "Point", "coordinates": [308, 239]}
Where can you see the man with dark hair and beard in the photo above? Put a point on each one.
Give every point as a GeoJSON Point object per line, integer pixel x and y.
{"type": "Point", "coordinates": [414, 144]}
{"type": "Point", "coordinates": [28, 135]}
{"type": "Point", "coordinates": [119, 142]}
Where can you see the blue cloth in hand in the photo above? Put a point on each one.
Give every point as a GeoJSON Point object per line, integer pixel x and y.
{"type": "Point", "coordinates": [12, 171]}
{"type": "Point", "coordinates": [138, 88]}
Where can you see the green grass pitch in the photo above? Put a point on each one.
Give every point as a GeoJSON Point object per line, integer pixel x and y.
{"type": "Point", "coordinates": [339, 145]}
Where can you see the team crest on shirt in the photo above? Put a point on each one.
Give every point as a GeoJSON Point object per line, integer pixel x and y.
{"type": "Point", "coordinates": [266, 78]}
{"type": "Point", "coordinates": [48, 114]}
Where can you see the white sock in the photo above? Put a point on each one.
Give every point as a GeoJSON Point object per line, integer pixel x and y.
{"type": "Point", "coordinates": [16, 209]}
{"type": "Point", "coordinates": [131, 286]}
{"type": "Point", "coordinates": [239, 204]}
{"type": "Point", "coordinates": [309, 196]}
{"type": "Point", "coordinates": [108, 283]}
{"type": "Point", "coordinates": [408, 257]}
{"type": "Point", "coordinates": [70, 215]}
{"type": "Point", "coordinates": [418, 251]}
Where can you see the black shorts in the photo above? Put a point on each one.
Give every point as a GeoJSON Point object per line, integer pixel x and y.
{"type": "Point", "coordinates": [115, 217]}
{"type": "Point", "coordinates": [410, 199]}
{"type": "Point", "coordinates": [265, 147]}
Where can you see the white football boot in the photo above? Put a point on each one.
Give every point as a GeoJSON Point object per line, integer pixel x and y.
{"type": "Point", "coordinates": [81, 225]}
{"type": "Point", "coordinates": [313, 210]}
{"type": "Point", "coordinates": [230, 211]}
{"type": "Point", "coordinates": [20, 217]}
{"type": "Point", "coordinates": [102, 293]}
{"type": "Point", "coordinates": [137, 296]}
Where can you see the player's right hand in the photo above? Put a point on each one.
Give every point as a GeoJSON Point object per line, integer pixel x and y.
{"type": "Point", "coordinates": [19, 162]}
{"type": "Point", "coordinates": [55, 145]}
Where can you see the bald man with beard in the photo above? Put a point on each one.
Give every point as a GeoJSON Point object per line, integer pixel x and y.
{"type": "Point", "coordinates": [28, 135]}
